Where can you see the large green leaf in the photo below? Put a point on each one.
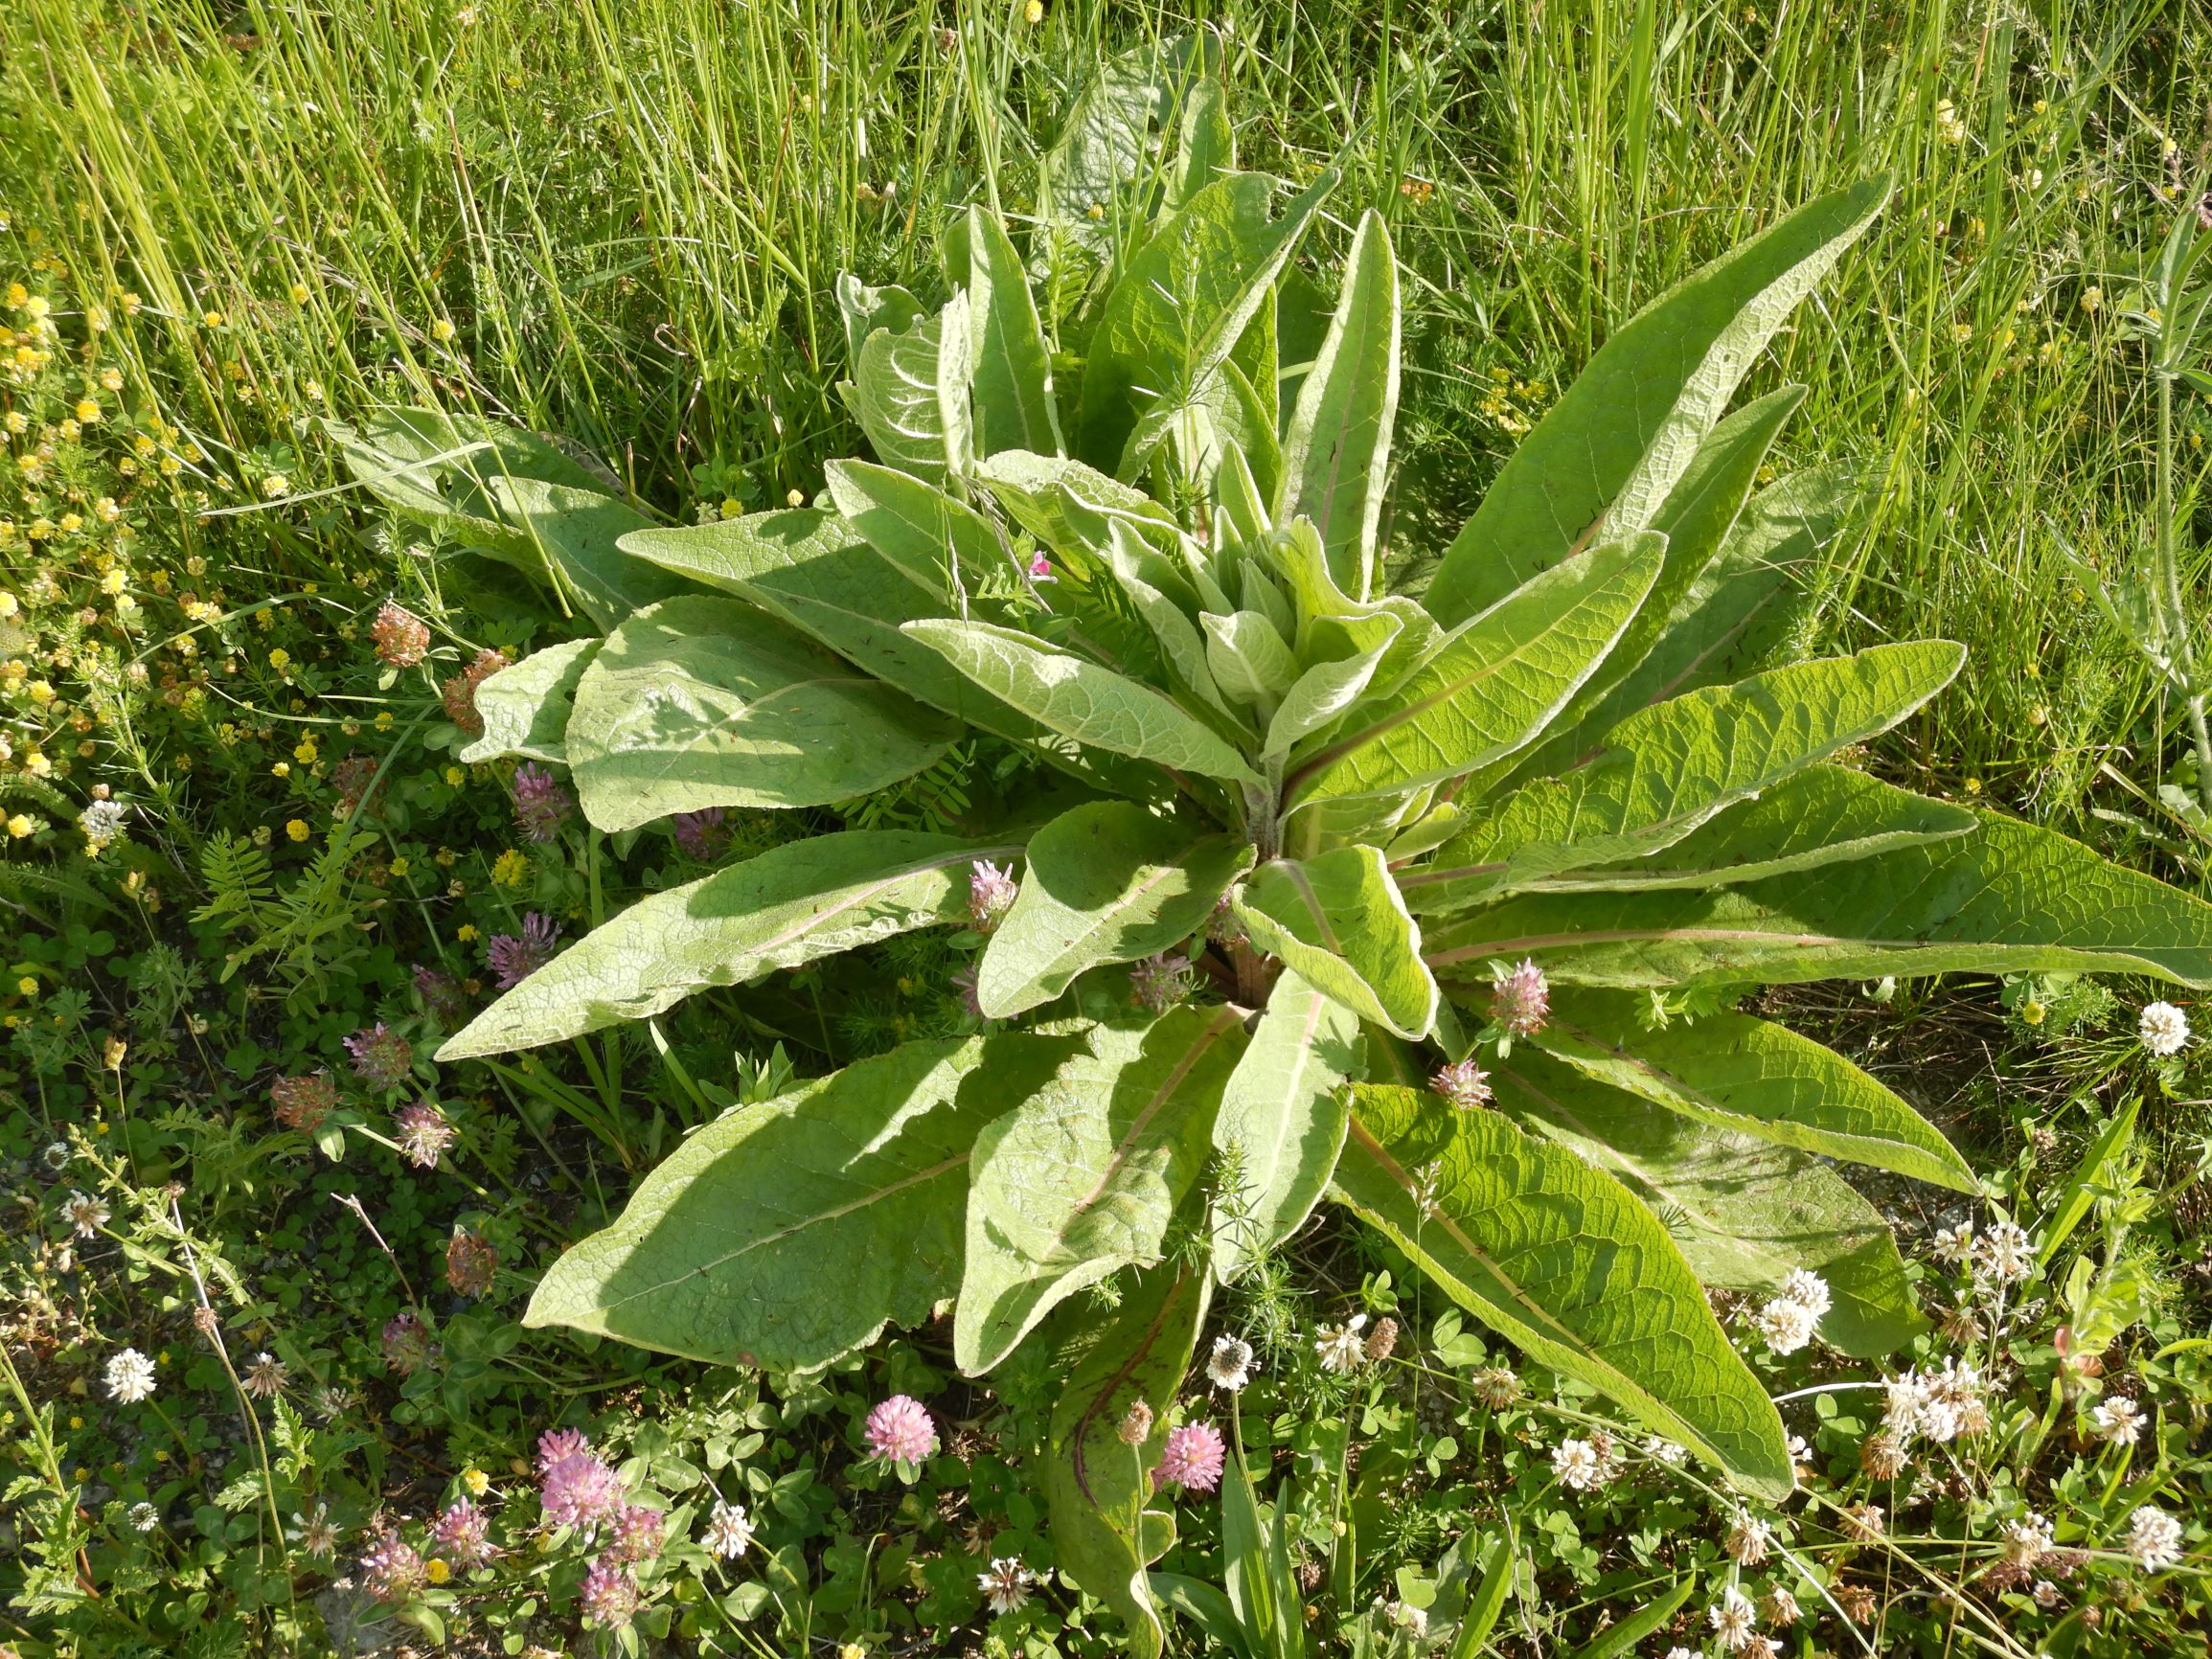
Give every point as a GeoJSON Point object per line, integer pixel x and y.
{"type": "Point", "coordinates": [1567, 1264]}
{"type": "Point", "coordinates": [1491, 687]}
{"type": "Point", "coordinates": [761, 1238]}
{"type": "Point", "coordinates": [1180, 305]}
{"type": "Point", "coordinates": [1671, 767]}
{"type": "Point", "coordinates": [1337, 921]}
{"type": "Point", "coordinates": [708, 702]}
{"type": "Point", "coordinates": [1282, 1121]}
{"type": "Point", "coordinates": [1010, 371]}
{"type": "Point", "coordinates": [1114, 129]}
{"type": "Point", "coordinates": [525, 708]}
{"type": "Point", "coordinates": [1823, 815]}
{"type": "Point", "coordinates": [1743, 1074]}
{"type": "Point", "coordinates": [578, 529]}
{"type": "Point", "coordinates": [789, 905]}
{"type": "Point", "coordinates": [1107, 882]}
{"type": "Point", "coordinates": [1736, 617]}
{"type": "Point", "coordinates": [1609, 453]}
{"type": "Point", "coordinates": [910, 394]}
{"type": "Point", "coordinates": [1336, 457]}
{"type": "Point", "coordinates": [1096, 1483]}
{"type": "Point", "coordinates": [1046, 494]}
{"type": "Point", "coordinates": [1747, 1213]}
{"type": "Point", "coordinates": [1081, 1178]}
{"type": "Point", "coordinates": [2010, 898]}
{"type": "Point", "coordinates": [1083, 701]}
{"type": "Point", "coordinates": [925, 533]}
{"type": "Point", "coordinates": [809, 569]}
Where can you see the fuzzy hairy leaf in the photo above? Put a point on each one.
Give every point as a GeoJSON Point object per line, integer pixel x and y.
{"type": "Point", "coordinates": [789, 905]}
{"type": "Point", "coordinates": [1336, 458]}
{"type": "Point", "coordinates": [1096, 1483]}
{"type": "Point", "coordinates": [525, 708]}
{"type": "Point", "coordinates": [1608, 454]}
{"type": "Point", "coordinates": [1491, 687]}
{"type": "Point", "coordinates": [1671, 767]}
{"type": "Point", "coordinates": [1823, 815]}
{"type": "Point", "coordinates": [1104, 882]}
{"type": "Point", "coordinates": [922, 531]}
{"type": "Point", "coordinates": [2009, 898]}
{"type": "Point", "coordinates": [1747, 1212]}
{"type": "Point", "coordinates": [1337, 921]}
{"type": "Point", "coordinates": [1737, 1072]}
{"type": "Point", "coordinates": [1010, 369]}
{"type": "Point", "coordinates": [708, 702]}
{"type": "Point", "coordinates": [578, 531]}
{"type": "Point", "coordinates": [1115, 128]}
{"type": "Point", "coordinates": [910, 394]}
{"type": "Point", "coordinates": [1081, 700]}
{"type": "Point", "coordinates": [1565, 1263]}
{"type": "Point", "coordinates": [728, 1251]}
{"type": "Point", "coordinates": [1083, 1176]}
{"type": "Point", "coordinates": [1282, 1121]}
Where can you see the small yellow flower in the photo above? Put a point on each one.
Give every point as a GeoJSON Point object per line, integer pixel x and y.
{"type": "Point", "coordinates": [8, 604]}
{"type": "Point", "coordinates": [2032, 1013]}
{"type": "Point", "coordinates": [1034, 11]}
{"type": "Point", "coordinates": [476, 1481]}
{"type": "Point", "coordinates": [279, 659]}
{"type": "Point", "coordinates": [276, 484]}
{"type": "Point", "coordinates": [795, 499]}
{"type": "Point", "coordinates": [511, 869]}
{"type": "Point", "coordinates": [87, 412]}
{"type": "Point", "coordinates": [401, 866]}
{"type": "Point", "coordinates": [305, 752]}
{"type": "Point", "coordinates": [467, 933]}
{"type": "Point", "coordinates": [27, 985]}
{"type": "Point", "coordinates": [1973, 785]}
{"type": "Point", "coordinates": [442, 330]}
{"type": "Point", "coordinates": [384, 720]}
{"type": "Point", "coordinates": [2092, 300]}
{"type": "Point", "coordinates": [211, 319]}
{"type": "Point", "coordinates": [18, 422]}
{"type": "Point", "coordinates": [72, 523]}
{"type": "Point", "coordinates": [115, 581]}
{"type": "Point", "coordinates": [105, 510]}
{"type": "Point", "coordinates": [282, 769]}
{"type": "Point", "coordinates": [437, 1571]}
{"type": "Point", "coordinates": [18, 296]}
{"type": "Point", "coordinates": [36, 307]}
{"type": "Point", "coordinates": [111, 379]}
{"type": "Point", "coordinates": [297, 828]}
{"type": "Point", "coordinates": [21, 826]}
{"type": "Point", "coordinates": [42, 692]}
{"type": "Point", "coordinates": [300, 293]}
{"type": "Point", "coordinates": [455, 777]}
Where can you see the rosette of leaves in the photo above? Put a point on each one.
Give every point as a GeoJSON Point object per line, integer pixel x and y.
{"type": "Point", "coordinates": [1139, 529]}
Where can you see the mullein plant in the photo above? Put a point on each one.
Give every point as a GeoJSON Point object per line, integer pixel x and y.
{"type": "Point", "coordinates": [1436, 906]}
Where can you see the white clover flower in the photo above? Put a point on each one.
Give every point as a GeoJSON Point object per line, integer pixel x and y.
{"type": "Point", "coordinates": [143, 1517]}
{"type": "Point", "coordinates": [2005, 1253]}
{"type": "Point", "coordinates": [1230, 1365]}
{"type": "Point", "coordinates": [1006, 1585]}
{"type": "Point", "coordinates": [729, 1530]}
{"type": "Point", "coordinates": [102, 823]}
{"type": "Point", "coordinates": [1955, 1244]}
{"type": "Point", "coordinates": [2028, 1540]}
{"type": "Point", "coordinates": [131, 1377]}
{"type": "Point", "coordinates": [1660, 1450]}
{"type": "Point", "coordinates": [1412, 1620]}
{"type": "Point", "coordinates": [1578, 1464]}
{"type": "Point", "coordinates": [265, 1377]}
{"type": "Point", "coordinates": [1780, 1607]}
{"type": "Point", "coordinates": [86, 1215]}
{"type": "Point", "coordinates": [1341, 1347]}
{"type": "Point", "coordinates": [1785, 1322]}
{"type": "Point", "coordinates": [2118, 1419]}
{"type": "Point", "coordinates": [1733, 1618]}
{"type": "Point", "coordinates": [1748, 1540]}
{"type": "Point", "coordinates": [1810, 1290]}
{"type": "Point", "coordinates": [2154, 1538]}
{"type": "Point", "coordinates": [2163, 1027]}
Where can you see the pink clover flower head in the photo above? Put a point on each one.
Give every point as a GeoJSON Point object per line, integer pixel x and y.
{"type": "Point", "coordinates": [463, 1533]}
{"type": "Point", "coordinates": [964, 988]}
{"type": "Point", "coordinates": [440, 994]}
{"type": "Point", "coordinates": [407, 1343]}
{"type": "Point", "coordinates": [381, 1057]}
{"type": "Point", "coordinates": [557, 1443]}
{"type": "Point", "coordinates": [1520, 999]}
{"type": "Point", "coordinates": [637, 1535]}
{"type": "Point", "coordinates": [991, 893]}
{"type": "Point", "coordinates": [1041, 568]}
{"type": "Point", "coordinates": [514, 958]}
{"type": "Point", "coordinates": [611, 1594]}
{"type": "Point", "coordinates": [1462, 1084]}
{"type": "Point", "coordinates": [1193, 1457]}
{"type": "Point", "coordinates": [901, 1430]}
{"type": "Point", "coordinates": [702, 835]}
{"type": "Point", "coordinates": [425, 1133]}
{"type": "Point", "coordinates": [392, 1571]}
{"type": "Point", "coordinates": [402, 638]}
{"type": "Point", "coordinates": [542, 805]}
{"type": "Point", "coordinates": [581, 1491]}
{"type": "Point", "coordinates": [1158, 983]}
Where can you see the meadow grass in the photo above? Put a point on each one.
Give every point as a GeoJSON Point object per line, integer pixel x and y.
{"type": "Point", "coordinates": [631, 216]}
